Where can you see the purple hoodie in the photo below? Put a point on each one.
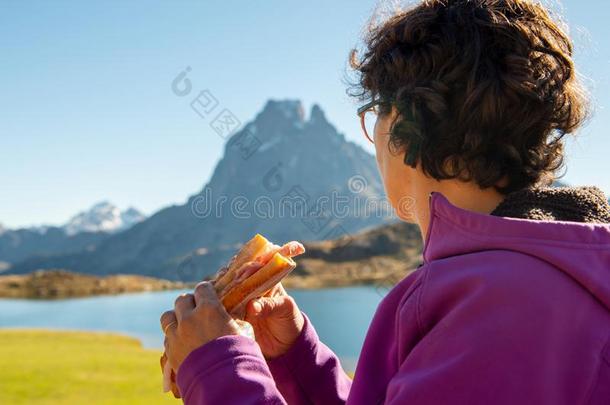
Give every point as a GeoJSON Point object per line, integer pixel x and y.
{"type": "Point", "coordinates": [501, 311]}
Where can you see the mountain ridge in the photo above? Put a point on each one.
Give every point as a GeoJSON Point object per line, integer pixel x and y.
{"type": "Point", "coordinates": [277, 153]}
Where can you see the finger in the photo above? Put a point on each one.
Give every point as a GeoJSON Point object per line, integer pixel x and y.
{"type": "Point", "coordinates": [163, 360]}
{"type": "Point", "coordinates": [276, 290]}
{"type": "Point", "coordinates": [166, 371]}
{"type": "Point", "coordinates": [184, 304]}
{"type": "Point", "coordinates": [253, 308]}
{"type": "Point", "coordinates": [167, 319]}
{"type": "Point", "coordinates": [280, 289]}
{"type": "Point", "coordinates": [206, 299]}
{"type": "Point", "coordinates": [292, 249]}
{"type": "Point", "coordinates": [205, 294]}
{"type": "Point", "coordinates": [221, 272]}
{"type": "Point", "coordinates": [175, 389]}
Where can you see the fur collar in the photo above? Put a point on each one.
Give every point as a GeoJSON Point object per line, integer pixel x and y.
{"type": "Point", "coordinates": [547, 203]}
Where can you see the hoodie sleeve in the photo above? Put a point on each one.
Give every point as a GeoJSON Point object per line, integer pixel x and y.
{"type": "Point", "coordinates": [227, 370]}
{"type": "Point", "coordinates": [232, 370]}
{"type": "Point", "coordinates": [310, 372]}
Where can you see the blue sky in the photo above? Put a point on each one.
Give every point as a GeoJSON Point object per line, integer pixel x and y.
{"type": "Point", "coordinates": [87, 112]}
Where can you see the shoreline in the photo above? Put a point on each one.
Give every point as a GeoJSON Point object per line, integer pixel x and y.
{"type": "Point", "coordinates": [59, 284]}
{"type": "Point", "coordinates": [187, 287]}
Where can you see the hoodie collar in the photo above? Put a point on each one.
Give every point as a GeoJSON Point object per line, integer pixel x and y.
{"type": "Point", "coordinates": [580, 249]}
{"type": "Point", "coordinates": [446, 217]}
{"type": "Point", "coordinates": [577, 204]}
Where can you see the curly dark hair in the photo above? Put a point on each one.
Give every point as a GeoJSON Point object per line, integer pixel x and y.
{"type": "Point", "coordinates": [485, 89]}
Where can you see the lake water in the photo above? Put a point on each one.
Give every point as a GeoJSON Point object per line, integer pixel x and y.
{"type": "Point", "coordinates": [341, 316]}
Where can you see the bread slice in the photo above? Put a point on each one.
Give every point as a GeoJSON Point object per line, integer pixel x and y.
{"type": "Point", "coordinates": [249, 251]}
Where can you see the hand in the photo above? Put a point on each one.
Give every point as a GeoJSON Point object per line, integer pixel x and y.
{"type": "Point", "coordinates": [169, 381]}
{"type": "Point", "coordinates": [196, 320]}
{"type": "Point", "coordinates": [276, 320]}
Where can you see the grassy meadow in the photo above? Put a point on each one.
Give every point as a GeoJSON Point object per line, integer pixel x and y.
{"type": "Point", "coordinates": [66, 367]}
{"type": "Point", "coordinates": [49, 367]}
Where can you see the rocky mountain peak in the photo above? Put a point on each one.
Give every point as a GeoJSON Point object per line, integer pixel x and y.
{"type": "Point", "coordinates": [288, 109]}
{"type": "Point", "coordinates": [279, 153]}
{"type": "Point", "coordinates": [103, 217]}
{"type": "Point", "coordinates": [317, 115]}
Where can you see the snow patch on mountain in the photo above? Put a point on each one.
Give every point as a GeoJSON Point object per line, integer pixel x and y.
{"type": "Point", "coordinates": [103, 217]}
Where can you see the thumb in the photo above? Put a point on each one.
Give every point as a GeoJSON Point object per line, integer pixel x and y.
{"type": "Point", "coordinates": [265, 306]}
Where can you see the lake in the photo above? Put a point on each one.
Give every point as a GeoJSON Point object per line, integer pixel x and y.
{"type": "Point", "coordinates": [341, 316]}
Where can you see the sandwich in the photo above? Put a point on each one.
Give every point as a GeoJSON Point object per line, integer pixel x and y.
{"type": "Point", "coordinates": [253, 272]}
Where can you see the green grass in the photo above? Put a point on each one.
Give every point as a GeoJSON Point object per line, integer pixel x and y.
{"type": "Point", "coordinates": [56, 367]}
{"type": "Point", "coordinates": [48, 367]}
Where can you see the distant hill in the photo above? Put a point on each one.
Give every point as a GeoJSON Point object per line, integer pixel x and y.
{"type": "Point", "coordinates": [284, 175]}
{"type": "Point", "coordinates": [82, 232]}
{"type": "Point", "coordinates": [381, 256]}
{"type": "Point", "coordinates": [63, 284]}
{"type": "Point", "coordinates": [20, 244]}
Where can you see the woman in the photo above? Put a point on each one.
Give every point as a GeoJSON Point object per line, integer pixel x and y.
{"type": "Point", "coordinates": [511, 303]}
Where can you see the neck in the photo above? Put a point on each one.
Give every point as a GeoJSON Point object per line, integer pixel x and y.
{"type": "Point", "coordinates": [467, 196]}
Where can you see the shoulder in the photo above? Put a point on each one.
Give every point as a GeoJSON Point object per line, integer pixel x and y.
{"type": "Point", "coordinates": [406, 289]}
{"type": "Point", "coordinates": [494, 281]}
{"type": "Point", "coordinates": [492, 270]}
